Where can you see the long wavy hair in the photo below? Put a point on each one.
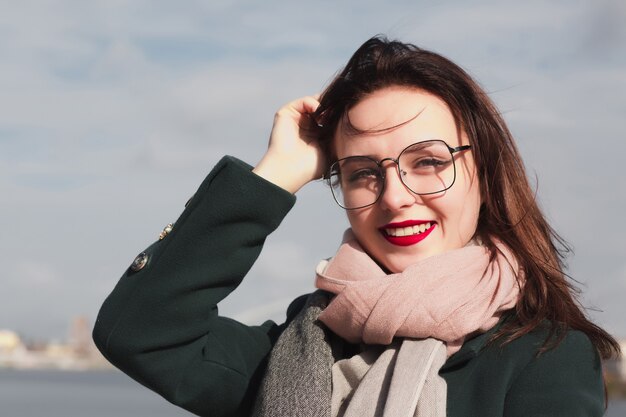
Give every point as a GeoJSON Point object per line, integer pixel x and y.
{"type": "Point", "coordinates": [509, 211]}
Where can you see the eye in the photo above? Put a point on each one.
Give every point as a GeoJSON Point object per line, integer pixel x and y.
{"type": "Point", "coordinates": [363, 175]}
{"type": "Point", "coordinates": [428, 162]}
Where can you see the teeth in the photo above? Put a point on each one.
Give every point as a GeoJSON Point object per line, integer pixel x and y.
{"type": "Point", "coordinates": [408, 231]}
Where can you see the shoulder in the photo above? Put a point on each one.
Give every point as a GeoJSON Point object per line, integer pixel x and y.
{"type": "Point", "coordinates": [564, 380]}
{"type": "Point", "coordinates": [569, 347]}
{"type": "Point", "coordinates": [515, 379]}
{"type": "Point", "coordinates": [567, 342]}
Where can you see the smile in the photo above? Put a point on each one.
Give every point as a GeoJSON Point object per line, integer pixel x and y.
{"type": "Point", "coordinates": [407, 233]}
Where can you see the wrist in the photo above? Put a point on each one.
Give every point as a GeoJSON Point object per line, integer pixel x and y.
{"type": "Point", "coordinates": [278, 175]}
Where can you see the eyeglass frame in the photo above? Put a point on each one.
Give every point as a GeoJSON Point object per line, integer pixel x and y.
{"type": "Point", "coordinates": [397, 162]}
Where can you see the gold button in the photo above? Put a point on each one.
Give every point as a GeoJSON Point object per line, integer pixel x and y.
{"type": "Point", "coordinates": [166, 231]}
{"type": "Point", "coordinates": [140, 261]}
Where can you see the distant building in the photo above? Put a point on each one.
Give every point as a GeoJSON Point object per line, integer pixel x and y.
{"type": "Point", "coordinates": [79, 339]}
{"type": "Point", "coordinates": [616, 368]}
{"type": "Point", "coordinates": [78, 353]}
{"type": "Point", "coordinates": [11, 347]}
{"type": "Point", "coordinates": [622, 361]}
{"type": "Point", "coordinates": [9, 341]}
{"type": "Point", "coordinates": [81, 348]}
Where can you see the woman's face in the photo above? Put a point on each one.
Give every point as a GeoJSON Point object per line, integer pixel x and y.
{"type": "Point", "coordinates": [452, 214]}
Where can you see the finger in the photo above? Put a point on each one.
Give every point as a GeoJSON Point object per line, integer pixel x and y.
{"type": "Point", "coordinates": [305, 105]}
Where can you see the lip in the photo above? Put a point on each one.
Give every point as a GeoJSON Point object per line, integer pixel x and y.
{"type": "Point", "coordinates": [407, 240]}
{"type": "Point", "coordinates": [405, 223]}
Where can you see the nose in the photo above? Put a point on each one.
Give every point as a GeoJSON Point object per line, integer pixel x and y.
{"type": "Point", "coordinates": [395, 194]}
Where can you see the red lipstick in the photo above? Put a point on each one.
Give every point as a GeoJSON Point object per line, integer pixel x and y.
{"type": "Point", "coordinates": [406, 240]}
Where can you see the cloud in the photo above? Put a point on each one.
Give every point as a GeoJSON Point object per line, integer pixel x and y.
{"type": "Point", "coordinates": [604, 32]}
{"type": "Point", "coordinates": [33, 274]}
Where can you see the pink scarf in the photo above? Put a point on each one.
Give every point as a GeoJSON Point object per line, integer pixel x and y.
{"type": "Point", "coordinates": [447, 296]}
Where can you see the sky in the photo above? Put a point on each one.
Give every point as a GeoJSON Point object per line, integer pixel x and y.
{"type": "Point", "coordinates": [113, 112]}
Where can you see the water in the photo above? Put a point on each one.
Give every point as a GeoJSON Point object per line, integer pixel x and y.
{"type": "Point", "coordinates": [617, 408]}
{"type": "Point", "coordinates": [100, 394]}
{"type": "Point", "coordinates": [79, 394]}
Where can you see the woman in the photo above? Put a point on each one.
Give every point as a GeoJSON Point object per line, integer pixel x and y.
{"type": "Point", "coordinates": [447, 296]}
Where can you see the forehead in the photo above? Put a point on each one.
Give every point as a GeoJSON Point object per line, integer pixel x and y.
{"type": "Point", "coordinates": [390, 119]}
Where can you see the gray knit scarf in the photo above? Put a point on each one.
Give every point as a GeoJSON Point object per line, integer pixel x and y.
{"type": "Point", "coordinates": [297, 382]}
{"type": "Point", "coordinates": [402, 382]}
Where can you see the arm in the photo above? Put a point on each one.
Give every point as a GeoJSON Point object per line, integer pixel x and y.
{"type": "Point", "coordinates": [564, 381]}
{"type": "Point", "coordinates": [161, 326]}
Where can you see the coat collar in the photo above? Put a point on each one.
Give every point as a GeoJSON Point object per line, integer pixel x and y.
{"type": "Point", "coordinates": [472, 347]}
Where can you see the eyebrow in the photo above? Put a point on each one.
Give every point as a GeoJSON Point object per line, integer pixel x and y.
{"type": "Point", "coordinates": [375, 157]}
{"type": "Point", "coordinates": [353, 130]}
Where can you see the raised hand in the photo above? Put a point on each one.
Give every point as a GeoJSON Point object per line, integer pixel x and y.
{"type": "Point", "coordinates": [293, 156]}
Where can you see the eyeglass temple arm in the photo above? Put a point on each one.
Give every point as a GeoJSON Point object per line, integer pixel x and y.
{"type": "Point", "coordinates": [460, 148]}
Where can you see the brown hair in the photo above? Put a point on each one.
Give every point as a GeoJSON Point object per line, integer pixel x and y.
{"type": "Point", "coordinates": [509, 211]}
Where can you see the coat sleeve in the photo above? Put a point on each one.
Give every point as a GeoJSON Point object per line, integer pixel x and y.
{"type": "Point", "coordinates": [564, 381]}
{"type": "Point", "coordinates": [160, 325]}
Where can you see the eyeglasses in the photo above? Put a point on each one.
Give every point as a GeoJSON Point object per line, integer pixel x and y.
{"type": "Point", "coordinates": [424, 168]}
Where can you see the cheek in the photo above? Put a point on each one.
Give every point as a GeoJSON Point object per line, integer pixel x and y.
{"type": "Point", "coordinates": [464, 217]}
{"type": "Point", "coordinates": [458, 210]}
{"type": "Point", "coordinates": [360, 222]}
{"type": "Point", "coordinates": [365, 229]}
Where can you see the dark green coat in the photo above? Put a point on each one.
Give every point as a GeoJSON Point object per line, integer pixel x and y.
{"type": "Point", "coordinates": [161, 326]}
